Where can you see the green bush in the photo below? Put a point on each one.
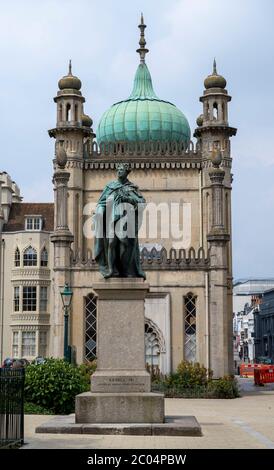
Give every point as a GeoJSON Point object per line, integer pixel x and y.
{"type": "Point", "coordinates": [154, 371]}
{"type": "Point", "coordinates": [54, 385]}
{"type": "Point", "coordinates": [225, 387]}
{"type": "Point", "coordinates": [32, 409]}
{"type": "Point", "coordinates": [189, 375]}
{"type": "Point", "coordinates": [87, 369]}
{"type": "Point", "coordinates": [195, 381]}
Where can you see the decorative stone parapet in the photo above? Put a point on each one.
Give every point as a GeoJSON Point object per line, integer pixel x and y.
{"type": "Point", "coordinates": [154, 259]}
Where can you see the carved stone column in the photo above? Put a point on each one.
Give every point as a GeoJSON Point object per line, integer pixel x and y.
{"type": "Point", "coordinates": [62, 239]}
{"type": "Point", "coordinates": [216, 177]}
{"type": "Point", "coordinates": [219, 316]}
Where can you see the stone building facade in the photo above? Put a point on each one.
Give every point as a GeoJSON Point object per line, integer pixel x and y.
{"type": "Point", "coordinates": [247, 299]}
{"type": "Point", "coordinates": [264, 328]}
{"type": "Point", "coordinates": [189, 307]}
{"type": "Point", "coordinates": [188, 311]}
{"type": "Point", "coordinates": [26, 257]}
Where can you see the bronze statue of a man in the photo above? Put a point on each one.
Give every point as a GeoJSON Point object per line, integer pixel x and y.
{"type": "Point", "coordinates": [117, 218]}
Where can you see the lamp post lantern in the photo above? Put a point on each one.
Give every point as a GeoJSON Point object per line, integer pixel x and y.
{"type": "Point", "coordinates": [66, 296]}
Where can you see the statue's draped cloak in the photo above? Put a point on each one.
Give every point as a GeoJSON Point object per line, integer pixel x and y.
{"type": "Point", "coordinates": [126, 254]}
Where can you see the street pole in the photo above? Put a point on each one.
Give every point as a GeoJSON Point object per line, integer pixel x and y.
{"type": "Point", "coordinates": [66, 352]}
{"type": "Point", "coordinates": [66, 296]}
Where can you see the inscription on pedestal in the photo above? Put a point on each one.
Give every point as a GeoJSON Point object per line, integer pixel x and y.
{"type": "Point", "coordinates": [118, 384]}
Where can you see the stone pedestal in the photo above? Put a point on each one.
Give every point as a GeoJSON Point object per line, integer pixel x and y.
{"type": "Point", "coordinates": [120, 388]}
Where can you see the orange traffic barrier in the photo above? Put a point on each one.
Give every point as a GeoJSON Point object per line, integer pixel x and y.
{"type": "Point", "coordinates": [247, 370]}
{"type": "Point", "coordinates": [264, 375]}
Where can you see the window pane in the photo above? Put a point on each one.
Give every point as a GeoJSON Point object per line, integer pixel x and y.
{"type": "Point", "coordinates": [16, 299]}
{"type": "Point", "coordinates": [29, 225]}
{"type": "Point", "coordinates": [43, 298]}
{"type": "Point", "coordinates": [91, 328]}
{"type": "Point", "coordinates": [43, 343]}
{"type": "Point", "coordinates": [33, 223]}
{"type": "Point", "coordinates": [190, 328]}
{"type": "Point", "coordinates": [29, 299]}
{"type": "Point", "coordinates": [17, 257]}
{"type": "Point", "coordinates": [30, 257]}
{"type": "Point", "coordinates": [15, 343]}
{"type": "Point", "coordinates": [28, 343]}
{"type": "Point", "coordinates": [37, 223]}
{"type": "Point", "coordinates": [44, 257]}
{"type": "Point", "coordinates": [152, 347]}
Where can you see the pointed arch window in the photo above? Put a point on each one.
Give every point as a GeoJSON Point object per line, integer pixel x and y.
{"type": "Point", "coordinates": [44, 257]}
{"type": "Point", "coordinates": [68, 112]}
{"type": "Point", "coordinates": [60, 112]}
{"type": "Point", "coordinates": [190, 337]}
{"type": "Point", "coordinates": [30, 257]}
{"type": "Point", "coordinates": [215, 111]}
{"type": "Point", "coordinates": [91, 327]}
{"type": "Point", "coordinates": [17, 258]}
{"type": "Point", "coordinates": [152, 346]}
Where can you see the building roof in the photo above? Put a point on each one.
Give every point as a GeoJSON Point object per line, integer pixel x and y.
{"type": "Point", "coordinates": [143, 116]}
{"type": "Point", "coordinates": [252, 286]}
{"type": "Point", "coordinates": [267, 305]}
{"type": "Point", "coordinates": [19, 210]}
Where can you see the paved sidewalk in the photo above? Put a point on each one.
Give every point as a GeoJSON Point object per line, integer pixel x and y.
{"type": "Point", "coordinates": [243, 423]}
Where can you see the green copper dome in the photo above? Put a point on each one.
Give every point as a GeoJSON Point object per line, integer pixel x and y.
{"type": "Point", "coordinates": [143, 116]}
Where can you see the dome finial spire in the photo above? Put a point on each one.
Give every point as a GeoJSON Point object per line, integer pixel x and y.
{"type": "Point", "coordinates": [142, 49]}
{"type": "Point", "coordinates": [214, 67]}
{"type": "Point", "coordinates": [70, 73]}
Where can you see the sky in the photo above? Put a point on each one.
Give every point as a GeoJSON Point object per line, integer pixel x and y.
{"type": "Point", "coordinates": [37, 39]}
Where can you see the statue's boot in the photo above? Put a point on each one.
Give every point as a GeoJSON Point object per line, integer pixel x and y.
{"type": "Point", "coordinates": [112, 274]}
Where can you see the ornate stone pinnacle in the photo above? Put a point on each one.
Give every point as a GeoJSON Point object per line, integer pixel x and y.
{"type": "Point", "coordinates": [70, 73]}
{"type": "Point", "coordinates": [216, 158]}
{"type": "Point", "coordinates": [142, 49]}
{"type": "Point", "coordinates": [61, 154]}
{"type": "Point", "coordinates": [214, 67]}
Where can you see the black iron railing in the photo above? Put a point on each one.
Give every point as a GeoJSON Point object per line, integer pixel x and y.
{"type": "Point", "coordinates": [11, 407]}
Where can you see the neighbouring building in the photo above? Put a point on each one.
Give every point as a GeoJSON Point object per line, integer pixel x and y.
{"type": "Point", "coordinates": [247, 299]}
{"type": "Point", "coordinates": [188, 312]}
{"type": "Point", "coordinates": [264, 328]}
{"type": "Point", "coordinates": [26, 260]}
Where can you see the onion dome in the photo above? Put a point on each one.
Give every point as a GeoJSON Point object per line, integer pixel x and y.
{"type": "Point", "coordinates": [86, 120]}
{"type": "Point", "coordinates": [200, 120]}
{"type": "Point", "coordinates": [143, 116]}
{"type": "Point", "coordinates": [70, 81]}
{"type": "Point", "coordinates": [215, 80]}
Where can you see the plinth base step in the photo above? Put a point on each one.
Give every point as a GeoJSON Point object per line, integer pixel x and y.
{"type": "Point", "coordinates": [173, 426]}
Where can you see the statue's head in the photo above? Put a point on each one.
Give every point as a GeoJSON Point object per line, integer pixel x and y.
{"type": "Point", "coordinates": [123, 169]}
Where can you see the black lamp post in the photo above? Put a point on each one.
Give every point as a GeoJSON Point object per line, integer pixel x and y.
{"type": "Point", "coordinates": [66, 295]}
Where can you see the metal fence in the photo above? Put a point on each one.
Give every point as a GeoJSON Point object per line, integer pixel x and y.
{"type": "Point", "coordinates": [11, 407]}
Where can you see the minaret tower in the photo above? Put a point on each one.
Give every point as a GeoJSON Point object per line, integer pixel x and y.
{"type": "Point", "coordinates": [213, 134]}
{"type": "Point", "coordinates": [213, 129]}
{"type": "Point", "coordinates": [74, 134]}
